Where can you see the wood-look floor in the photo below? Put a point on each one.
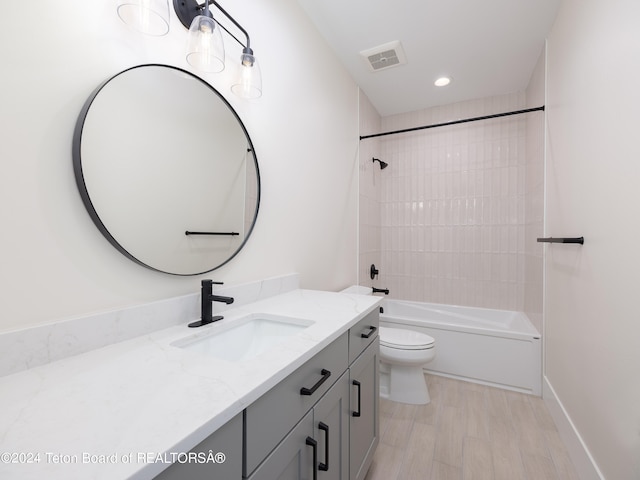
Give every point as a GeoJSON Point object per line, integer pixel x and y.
{"type": "Point", "coordinates": [469, 431]}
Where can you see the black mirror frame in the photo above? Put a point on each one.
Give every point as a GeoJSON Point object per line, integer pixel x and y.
{"type": "Point", "coordinates": [84, 193]}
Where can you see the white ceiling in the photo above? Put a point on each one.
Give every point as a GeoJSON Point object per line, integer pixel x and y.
{"type": "Point", "coordinates": [488, 47]}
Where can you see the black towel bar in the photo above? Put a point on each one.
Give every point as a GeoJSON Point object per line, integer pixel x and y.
{"type": "Point", "coordinates": [579, 240]}
{"type": "Point", "coordinates": [211, 233]}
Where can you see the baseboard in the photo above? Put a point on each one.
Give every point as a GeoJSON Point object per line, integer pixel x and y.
{"type": "Point", "coordinates": [583, 462]}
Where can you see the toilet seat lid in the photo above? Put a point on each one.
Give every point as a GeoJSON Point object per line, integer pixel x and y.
{"type": "Point", "coordinates": [405, 339]}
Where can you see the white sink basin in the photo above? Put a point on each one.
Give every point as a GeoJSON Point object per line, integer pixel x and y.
{"type": "Point", "coordinates": [244, 338]}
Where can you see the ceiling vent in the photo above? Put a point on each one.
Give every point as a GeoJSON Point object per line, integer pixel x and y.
{"type": "Point", "coordinates": [384, 56]}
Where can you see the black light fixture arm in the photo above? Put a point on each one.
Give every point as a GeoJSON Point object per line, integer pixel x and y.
{"type": "Point", "coordinates": [187, 10]}
{"type": "Point", "coordinates": [233, 20]}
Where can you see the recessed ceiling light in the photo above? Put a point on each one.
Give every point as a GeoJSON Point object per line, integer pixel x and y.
{"type": "Point", "coordinates": [442, 81]}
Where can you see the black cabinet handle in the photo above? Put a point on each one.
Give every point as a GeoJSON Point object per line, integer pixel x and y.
{"type": "Point", "coordinates": [313, 444]}
{"type": "Point", "coordinates": [309, 391]}
{"type": "Point", "coordinates": [372, 330]}
{"type": "Point", "coordinates": [357, 384]}
{"type": "Point", "coordinates": [325, 466]}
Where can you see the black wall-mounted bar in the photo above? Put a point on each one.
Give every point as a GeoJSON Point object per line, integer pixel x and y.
{"type": "Point", "coordinates": [455, 122]}
{"type": "Point", "coordinates": [211, 233]}
{"type": "Point", "coordinates": [579, 240]}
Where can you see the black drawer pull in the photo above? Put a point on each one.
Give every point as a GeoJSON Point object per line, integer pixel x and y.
{"type": "Point", "coordinates": [372, 330]}
{"type": "Point", "coordinates": [313, 444]}
{"type": "Point", "coordinates": [357, 384]}
{"type": "Point", "coordinates": [309, 391]}
{"type": "Point", "coordinates": [325, 466]}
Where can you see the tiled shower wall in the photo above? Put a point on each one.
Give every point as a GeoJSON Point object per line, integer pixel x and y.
{"type": "Point", "coordinates": [452, 206]}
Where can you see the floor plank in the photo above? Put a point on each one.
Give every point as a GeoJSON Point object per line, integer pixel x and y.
{"type": "Point", "coordinates": [469, 432]}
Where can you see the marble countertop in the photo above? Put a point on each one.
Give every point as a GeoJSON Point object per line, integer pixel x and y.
{"type": "Point", "coordinates": [104, 413]}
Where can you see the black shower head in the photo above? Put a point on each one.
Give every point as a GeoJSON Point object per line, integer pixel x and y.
{"type": "Point", "coordinates": [383, 165]}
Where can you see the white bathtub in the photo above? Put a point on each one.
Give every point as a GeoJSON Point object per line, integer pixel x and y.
{"type": "Point", "coordinates": [493, 347]}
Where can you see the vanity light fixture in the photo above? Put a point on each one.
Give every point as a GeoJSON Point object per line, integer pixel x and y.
{"type": "Point", "coordinates": [205, 49]}
{"type": "Point", "coordinates": [150, 17]}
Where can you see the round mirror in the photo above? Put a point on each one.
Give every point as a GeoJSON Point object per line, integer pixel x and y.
{"type": "Point", "coordinates": [166, 170]}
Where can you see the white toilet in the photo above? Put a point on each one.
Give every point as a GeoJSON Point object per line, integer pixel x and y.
{"type": "Point", "coordinates": [403, 353]}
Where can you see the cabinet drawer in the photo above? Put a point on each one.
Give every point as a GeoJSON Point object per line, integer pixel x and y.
{"type": "Point", "coordinates": [273, 415]}
{"type": "Point", "coordinates": [362, 334]}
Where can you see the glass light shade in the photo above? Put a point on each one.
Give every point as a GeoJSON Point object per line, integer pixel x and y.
{"type": "Point", "coordinates": [150, 17]}
{"type": "Point", "coordinates": [248, 84]}
{"type": "Point", "coordinates": [205, 48]}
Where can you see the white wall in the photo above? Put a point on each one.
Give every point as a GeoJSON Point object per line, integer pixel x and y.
{"type": "Point", "coordinates": [55, 264]}
{"type": "Point", "coordinates": [592, 325]}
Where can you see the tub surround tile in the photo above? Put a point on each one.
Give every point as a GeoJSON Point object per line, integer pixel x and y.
{"type": "Point", "coordinates": [145, 395]}
{"type": "Point", "coordinates": [470, 190]}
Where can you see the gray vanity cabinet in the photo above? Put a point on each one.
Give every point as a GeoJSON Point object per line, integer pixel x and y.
{"type": "Point", "coordinates": [343, 416]}
{"type": "Point", "coordinates": [305, 447]}
{"type": "Point", "coordinates": [268, 420]}
{"type": "Point", "coordinates": [364, 398]}
{"type": "Point", "coordinates": [293, 457]}
{"type": "Point", "coordinates": [319, 423]}
{"type": "Point", "coordinates": [364, 419]}
{"type": "Point", "coordinates": [226, 440]}
{"type": "Point", "coordinates": [331, 432]}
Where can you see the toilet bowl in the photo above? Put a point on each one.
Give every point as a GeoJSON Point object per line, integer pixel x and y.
{"type": "Point", "coordinates": [403, 353]}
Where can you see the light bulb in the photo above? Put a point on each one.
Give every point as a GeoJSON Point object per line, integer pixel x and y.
{"type": "Point", "coordinates": [249, 81]}
{"type": "Point", "coordinates": [205, 48]}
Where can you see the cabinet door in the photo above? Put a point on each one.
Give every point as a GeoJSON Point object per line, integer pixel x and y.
{"type": "Point", "coordinates": [364, 389]}
{"type": "Point", "coordinates": [227, 440]}
{"type": "Point", "coordinates": [293, 457]}
{"type": "Point", "coordinates": [331, 432]}
{"type": "Point", "coordinates": [273, 415]}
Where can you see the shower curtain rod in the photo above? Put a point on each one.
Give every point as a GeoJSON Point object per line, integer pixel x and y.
{"type": "Point", "coordinates": [454, 122]}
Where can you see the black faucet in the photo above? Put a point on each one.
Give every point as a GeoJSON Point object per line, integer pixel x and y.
{"type": "Point", "coordinates": [380, 290]}
{"type": "Point", "coordinates": [206, 304]}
